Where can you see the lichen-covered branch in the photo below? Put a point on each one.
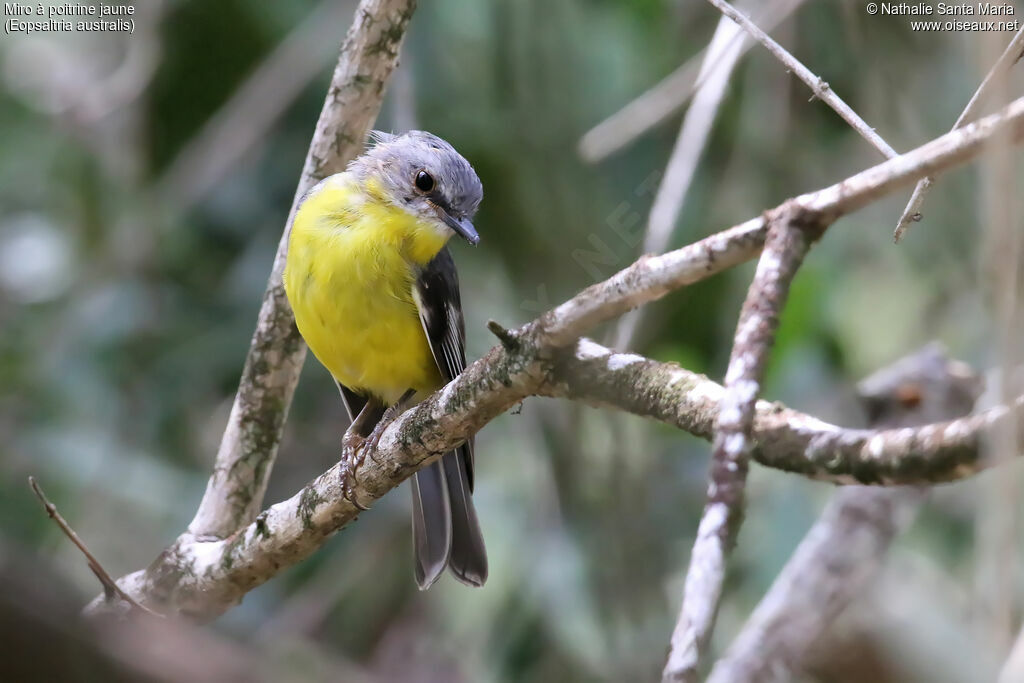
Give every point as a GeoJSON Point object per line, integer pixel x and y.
{"type": "Point", "coordinates": [847, 545]}
{"type": "Point", "coordinates": [784, 439]}
{"type": "Point", "coordinates": [204, 578]}
{"type": "Point", "coordinates": [201, 578]}
{"type": "Point", "coordinates": [204, 574]}
{"type": "Point", "coordinates": [234, 494]}
{"type": "Point", "coordinates": [790, 235]}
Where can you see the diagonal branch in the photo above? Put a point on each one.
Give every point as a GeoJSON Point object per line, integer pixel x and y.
{"type": "Point", "coordinates": [667, 96]}
{"type": "Point", "coordinates": [202, 579]}
{"type": "Point", "coordinates": [722, 56]}
{"type": "Point", "coordinates": [651, 277]}
{"type": "Point", "coordinates": [997, 74]}
{"type": "Point", "coordinates": [110, 588]}
{"type": "Point", "coordinates": [790, 235]}
{"type": "Point", "coordinates": [243, 120]}
{"type": "Point", "coordinates": [234, 494]}
{"type": "Point", "coordinates": [203, 576]}
{"type": "Point", "coordinates": [817, 85]}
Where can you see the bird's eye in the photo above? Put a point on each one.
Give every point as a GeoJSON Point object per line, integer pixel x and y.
{"type": "Point", "coordinates": [424, 181]}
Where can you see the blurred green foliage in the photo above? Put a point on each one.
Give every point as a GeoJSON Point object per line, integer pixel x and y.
{"type": "Point", "coordinates": [126, 310]}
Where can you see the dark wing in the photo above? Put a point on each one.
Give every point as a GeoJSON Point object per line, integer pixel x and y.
{"type": "Point", "coordinates": [440, 308]}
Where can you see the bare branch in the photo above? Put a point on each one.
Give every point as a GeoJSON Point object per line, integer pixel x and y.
{"type": "Point", "coordinates": [234, 494]}
{"type": "Point", "coordinates": [651, 277]}
{"type": "Point", "coordinates": [110, 587]}
{"type": "Point", "coordinates": [790, 235]}
{"type": "Point", "coordinates": [998, 72]}
{"type": "Point", "coordinates": [723, 53]}
{"type": "Point", "coordinates": [202, 579]}
{"type": "Point", "coordinates": [668, 96]}
{"type": "Point", "coordinates": [817, 85]}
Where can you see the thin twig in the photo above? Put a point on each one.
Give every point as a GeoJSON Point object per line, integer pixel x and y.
{"type": "Point", "coordinates": [818, 86]}
{"type": "Point", "coordinates": [998, 72]}
{"type": "Point", "coordinates": [790, 235]}
{"type": "Point", "coordinates": [110, 587]}
{"type": "Point", "coordinates": [722, 55]}
{"type": "Point", "coordinates": [668, 96]}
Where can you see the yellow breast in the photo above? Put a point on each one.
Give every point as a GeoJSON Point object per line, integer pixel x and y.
{"type": "Point", "coordinates": [349, 277]}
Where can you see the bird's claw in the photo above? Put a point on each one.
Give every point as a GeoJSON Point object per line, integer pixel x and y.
{"type": "Point", "coordinates": [369, 445]}
{"type": "Point", "coordinates": [352, 455]}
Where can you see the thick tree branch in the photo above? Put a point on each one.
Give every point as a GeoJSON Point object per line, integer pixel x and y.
{"type": "Point", "coordinates": [846, 546]}
{"type": "Point", "coordinates": [203, 577]}
{"type": "Point", "coordinates": [784, 439]}
{"type": "Point", "coordinates": [790, 235]}
{"type": "Point", "coordinates": [234, 494]}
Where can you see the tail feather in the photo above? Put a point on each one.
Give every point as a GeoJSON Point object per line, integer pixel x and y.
{"type": "Point", "coordinates": [445, 529]}
{"type": "Point", "coordinates": [431, 524]}
{"type": "Point", "coordinates": [468, 561]}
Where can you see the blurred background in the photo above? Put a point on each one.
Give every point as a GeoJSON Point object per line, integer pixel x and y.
{"type": "Point", "coordinates": [144, 183]}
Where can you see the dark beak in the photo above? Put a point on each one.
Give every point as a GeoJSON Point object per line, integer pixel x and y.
{"type": "Point", "coordinates": [462, 228]}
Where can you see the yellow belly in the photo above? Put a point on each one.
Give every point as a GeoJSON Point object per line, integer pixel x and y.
{"type": "Point", "coordinates": [351, 290]}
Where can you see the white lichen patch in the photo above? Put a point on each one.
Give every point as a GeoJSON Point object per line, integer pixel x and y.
{"type": "Point", "coordinates": [746, 390]}
{"type": "Point", "coordinates": [206, 554]}
{"type": "Point", "coordinates": [733, 446]}
{"type": "Point", "coordinates": [619, 361]}
{"type": "Point", "coordinates": [956, 430]}
{"type": "Point", "coordinates": [446, 394]}
{"type": "Point", "coordinates": [586, 349]}
{"type": "Point", "coordinates": [704, 391]}
{"type": "Point", "coordinates": [769, 263]}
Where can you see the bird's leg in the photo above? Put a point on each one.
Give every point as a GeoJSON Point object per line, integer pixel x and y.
{"type": "Point", "coordinates": [352, 451]}
{"type": "Point", "coordinates": [369, 445]}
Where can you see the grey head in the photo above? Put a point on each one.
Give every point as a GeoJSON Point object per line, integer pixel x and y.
{"type": "Point", "coordinates": [424, 175]}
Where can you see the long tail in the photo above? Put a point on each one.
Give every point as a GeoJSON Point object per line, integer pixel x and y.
{"type": "Point", "coordinates": [445, 527]}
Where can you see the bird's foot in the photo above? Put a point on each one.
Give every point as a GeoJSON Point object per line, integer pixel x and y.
{"type": "Point", "coordinates": [370, 443]}
{"type": "Point", "coordinates": [353, 453]}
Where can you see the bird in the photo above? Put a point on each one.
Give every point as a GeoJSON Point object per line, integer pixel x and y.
{"type": "Point", "coordinates": [375, 294]}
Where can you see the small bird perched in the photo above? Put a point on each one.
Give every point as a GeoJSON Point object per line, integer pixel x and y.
{"type": "Point", "coordinates": [376, 297]}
